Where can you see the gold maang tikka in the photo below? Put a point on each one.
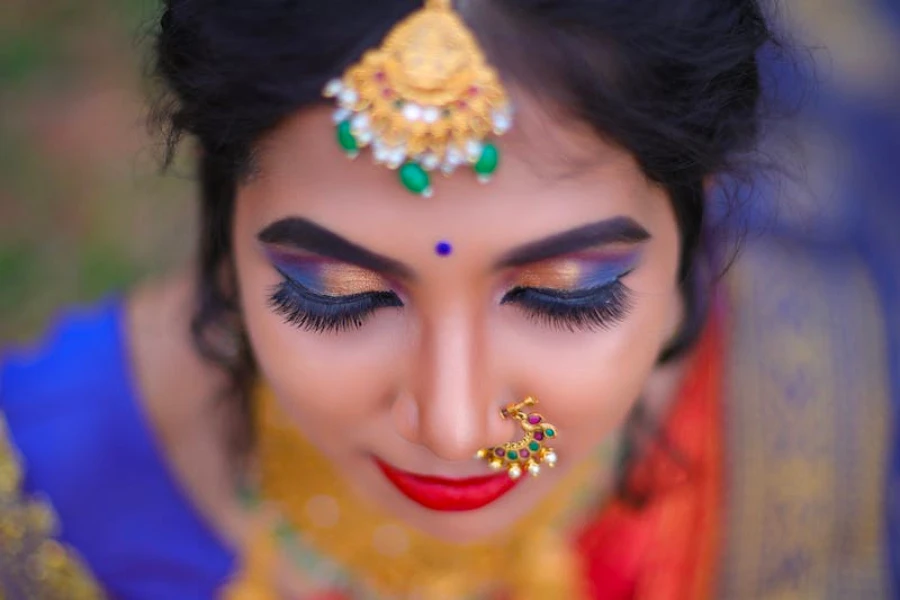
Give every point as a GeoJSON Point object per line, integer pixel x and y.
{"type": "Point", "coordinates": [425, 101]}
{"type": "Point", "coordinates": [528, 453]}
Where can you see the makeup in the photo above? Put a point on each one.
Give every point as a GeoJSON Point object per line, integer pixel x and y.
{"type": "Point", "coordinates": [570, 280]}
{"type": "Point", "coordinates": [304, 235]}
{"type": "Point", "coordinates": [581, 271]}
{"type": "Point", "coordinates": [325, 277]}
{"type": "Point", "coordinates": [618, 230]}
{"type": "Point", "coordinates": [443, 249]}
{"type": "Point", "coordinates": [323, 295]}
{"type": "Point", "coordinates": [445, 494]}
{"type": "Point", "coordinates": [580, 291]}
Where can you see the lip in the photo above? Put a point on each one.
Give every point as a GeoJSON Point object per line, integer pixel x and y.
{"type": "Point", "coordinates": [448, 495]}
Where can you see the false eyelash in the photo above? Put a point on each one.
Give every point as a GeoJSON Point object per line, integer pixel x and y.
{"type": "Point", "coordinates": [594, 309]}
{"type": "Point", "coordinates": [307, 310]}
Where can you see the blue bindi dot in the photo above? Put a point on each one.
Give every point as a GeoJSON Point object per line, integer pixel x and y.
{"type": "Point", "coordinates": [443, 249]}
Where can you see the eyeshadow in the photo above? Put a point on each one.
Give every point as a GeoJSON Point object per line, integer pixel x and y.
{"type": "Point", "coordinates": [576, 272]}
{"type": "Point", "coordinates": [327, 277]}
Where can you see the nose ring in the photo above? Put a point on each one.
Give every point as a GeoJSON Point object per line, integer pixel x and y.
{"type": "Point", "coordinates": [528, 453]}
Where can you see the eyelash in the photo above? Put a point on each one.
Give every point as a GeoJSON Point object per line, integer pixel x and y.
{"type": "Point", "coordinates": [593, 309]}
{"type": "Point", "coordinates": [314, 312]}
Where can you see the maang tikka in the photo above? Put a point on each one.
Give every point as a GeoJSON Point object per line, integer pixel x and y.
{"type": "Point", "coordinates": [425, 101]}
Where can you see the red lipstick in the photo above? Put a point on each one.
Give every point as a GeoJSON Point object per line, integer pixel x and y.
{"type": "Point", "coordinates": [448, 495]}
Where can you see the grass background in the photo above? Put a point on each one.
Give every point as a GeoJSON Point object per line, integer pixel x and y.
{"type": "Point", "coordinates": [84, 210]}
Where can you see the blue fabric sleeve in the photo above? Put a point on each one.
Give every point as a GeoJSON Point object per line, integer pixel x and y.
{"type": "Point", "coordinates": [74, 415]}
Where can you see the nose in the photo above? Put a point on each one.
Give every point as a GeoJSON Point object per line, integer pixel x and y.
{"type": "Point", "coordinates": [452, 389]}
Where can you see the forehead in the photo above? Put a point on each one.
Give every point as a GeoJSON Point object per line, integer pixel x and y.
{"type": "Point", "coordinates": [554, 174]}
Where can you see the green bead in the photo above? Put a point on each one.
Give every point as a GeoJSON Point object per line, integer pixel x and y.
{"type": "Point", "coordinates": [512, 455]}
{"type": "Point", "coordinates": [415, 179]}
{"type": "Point", "coordinates": [534, 446]}
{"type": "Point", "coordinates": [346, 139]}
{"type": "Point", "coordinates": [550, 432]}
{"type": "Point", "coordinates": [490, 159]}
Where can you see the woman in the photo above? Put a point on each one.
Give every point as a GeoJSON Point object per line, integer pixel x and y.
{"type": "Point", "coordinates": [516, 381]}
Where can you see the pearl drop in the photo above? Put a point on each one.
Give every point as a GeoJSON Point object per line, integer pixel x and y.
{"type": "Point", "coordinates": [550, 458]}
{"type": "Point", "coordinates": [380, 152]}
{"type": "Point", "coordinates": [430, 161]}
{"type": "Point", "coordinates": [396, 157]}
{"type": "Point", "coordinates": [348, 97]}
{"type": "Point", "coordinates": [431, 115]}
{"type": "Point", "coordinates": [515, 472]}
{"type": "Point", "coordinates": [364, 137]}
{"type": "Point", "coordinates": [473, 150]}
{"type": "Point", "coordinates": [534, 470]}
{"type": "Point", "coordinates": [360, 122]}
{"type": "Point", "coordinates": [341, 115]}
{"type": "Point", "coordinates": [454, 156]}
{"type": "Point", "coordinates": [502, 123]}
{"type": "Point", "coordinates": [412, 112]}
{"type": "Point", "coordinates": [333, 88]}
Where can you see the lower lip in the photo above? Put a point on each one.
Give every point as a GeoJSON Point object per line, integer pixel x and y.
{"type": "Point", "coordinates": [448, 495]}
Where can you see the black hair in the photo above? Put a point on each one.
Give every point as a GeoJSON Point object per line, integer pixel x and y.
{"type": "Point", "coordinates": [674, 82]}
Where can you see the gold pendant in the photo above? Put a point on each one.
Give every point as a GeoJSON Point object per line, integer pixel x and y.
{"type": "Point", "coordinates": [425, 100]}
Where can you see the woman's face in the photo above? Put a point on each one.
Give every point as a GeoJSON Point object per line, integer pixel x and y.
{"type": "Point", "coordinates": [561, 284]}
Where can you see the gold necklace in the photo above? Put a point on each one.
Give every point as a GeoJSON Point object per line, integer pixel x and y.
{"type": "Point", "coordinates": [333, 527]}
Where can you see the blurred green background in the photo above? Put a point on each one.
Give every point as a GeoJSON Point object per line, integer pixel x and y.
{"type": "Point", "coordinates": [83, 208]}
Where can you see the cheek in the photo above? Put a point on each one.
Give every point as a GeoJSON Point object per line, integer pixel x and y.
{"type": "Point", "coordinates": [593, 379]}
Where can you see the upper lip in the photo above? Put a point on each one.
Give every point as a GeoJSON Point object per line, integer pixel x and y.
{"type": "Point", "coordinates": [442, 472]}
{"type": "Point", "coordinates": [448, 494]}
{"type": "Point", "coordinates": [440, 479]}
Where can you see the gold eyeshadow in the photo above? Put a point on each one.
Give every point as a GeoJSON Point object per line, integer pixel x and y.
{"type": "Point", "coordinates": [552, 274]}
{"type": "Point", "coordinates": [341, 279]}
{"type": "Point", "coordinates": [575, 272]}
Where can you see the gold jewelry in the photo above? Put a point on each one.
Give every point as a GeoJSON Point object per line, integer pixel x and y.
{"type": "Point", "coordinates": [528, 453]}
{"type": "Point", "coordinates": [425, 100]}
{"type": "Point", "coordinates": [346, 538]}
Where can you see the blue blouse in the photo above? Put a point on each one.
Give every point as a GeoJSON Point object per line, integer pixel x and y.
{"type": "Point", "coordinates": [73, 413]}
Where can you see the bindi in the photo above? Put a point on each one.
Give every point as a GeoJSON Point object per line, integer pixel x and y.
{"type": "Point", "coordinates": [443, 249]}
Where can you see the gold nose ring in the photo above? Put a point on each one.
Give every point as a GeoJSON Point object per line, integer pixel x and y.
{"type": "Point", "coordinates": [528, 453]}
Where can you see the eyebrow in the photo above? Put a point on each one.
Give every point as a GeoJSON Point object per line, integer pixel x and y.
{"type": "Point", "coordinates": [618, 230]}
{"type": "Point", "coordinates": [303, 234]}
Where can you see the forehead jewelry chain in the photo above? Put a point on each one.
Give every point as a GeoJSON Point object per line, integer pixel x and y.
{"type": "Point", "coordinates": [528, 453]}
{"type": "Point", "coordinates": [425, 101]}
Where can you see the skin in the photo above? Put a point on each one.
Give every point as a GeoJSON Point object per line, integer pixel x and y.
{"type": "Point", "coordinates": [421, 386]}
